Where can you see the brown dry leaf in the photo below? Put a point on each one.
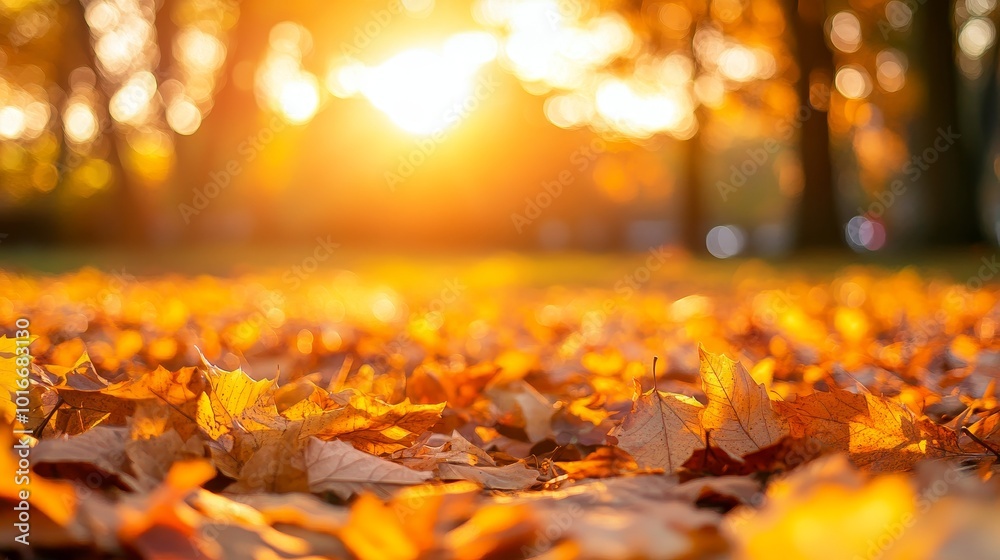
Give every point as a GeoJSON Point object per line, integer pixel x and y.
{"type": "Point", "coordinates": [739, 412]}
{"type": "Point", "coordinates": [152, 418]}
{"type": "Point", "coordinates": [304, 510]}
{"type": "Point", "coordinates": [515, 476]}
{"type": "Point", "coordinates": [372, 425]}
{"type": "Point", "coordinates": [879, 434]}
{"type": "Point", "coordinates": [473, 455]}
{"type": "Point", "coordinates": [621, 517]}
{"type": "Point", "coordinates": [432, 449]}
{"type": "Point", "coordinates": [80, 411]}
{"type": "Point", "coordinates": [173, 387]}
{"type": "Point", "coordinates": [603, 463]}
{"type": "Point", "coordinates": [231, 530]}
{"type": "Point", "coordinates": [151, 458]}
{"type": "Point", "coordinates": [525, 408]}
{"type": "Point", "coordinates": [100, 450]}
{"type": "Point", "coordinates": [271, 465]}
{"type": "Point", "coordinates": [429, 384]}
{"type": "Point", "coordinates": [662, 430]}
{"type": "Point", "coordinates": [988, 429]}
{"type": "Point", "coordinates": [81, 376]}
{"type": "Point", "coordinates": [336, 466]}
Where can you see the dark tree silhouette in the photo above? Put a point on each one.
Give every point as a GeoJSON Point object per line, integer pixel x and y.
{"type": "Point", "coordinates": [952, 179]}
{"type": "Point", "coordinates": [818, 223]}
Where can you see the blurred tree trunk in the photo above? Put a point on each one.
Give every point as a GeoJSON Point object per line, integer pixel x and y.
{"type": "Point", "coordinates": [951, 180]}
{"type": "Point", "coordinates": [818, 224]}
{"type": "Point", "coordinates": [111, 210]}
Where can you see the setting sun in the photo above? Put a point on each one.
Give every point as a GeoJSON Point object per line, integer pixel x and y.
{"type": "Point", "coordinates": [422, 90]}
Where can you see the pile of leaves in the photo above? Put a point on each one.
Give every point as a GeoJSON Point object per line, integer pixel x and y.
{"type": "Point", "coordinates": [484, 417]}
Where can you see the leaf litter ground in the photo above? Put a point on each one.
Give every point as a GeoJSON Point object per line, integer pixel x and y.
{"type": "Point", "coordinates": [488, 415]}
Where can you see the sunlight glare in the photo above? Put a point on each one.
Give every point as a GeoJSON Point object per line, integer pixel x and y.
{"type": "Point", "coordinates": [639, 113]}
{"type": "Point", "coordinates": [299, 98]}
{"type": "Point", "coordinates": [421, 90]}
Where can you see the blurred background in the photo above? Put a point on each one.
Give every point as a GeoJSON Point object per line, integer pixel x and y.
{"type": "Point", "coordinates": [731, 127]}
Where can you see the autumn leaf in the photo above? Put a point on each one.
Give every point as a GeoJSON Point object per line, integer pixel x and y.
{"type": "Point", "coordinates": [236, 402]}
{"type": "Point", "coordinates": [101, 450]}
{"type": "Point", "coordinates": [151, 458]}
{"type": "Point", "coordinates": [739, 413]}
{"type": "Point", "coordinates": [336, 466]}
{"type": "Point", "coordinates": [528, 409]}
{"type": "Point", "coordinates": [605, 462]}
{"type": "Point", "coordinates": [878, 433]}
{"type": "Point", "coordinates": [172, 387]}
{"type": "Point", "coordinates": [433, 449]}
{"type": "Point", "coordinates": [372, 425]}
{"type": "Point", "coordinates": [515, 476]}
{"type": "Point", "coordinates": [240, 418]}
{"type": "Point", "coordinates": [662, 430]}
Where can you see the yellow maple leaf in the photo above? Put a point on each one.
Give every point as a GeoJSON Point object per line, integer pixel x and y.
{"type": "Point", "coordinates": [739, 412]}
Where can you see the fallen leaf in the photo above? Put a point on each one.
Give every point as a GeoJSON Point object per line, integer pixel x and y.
{"type": "Point", "coordinates": [336, 466]}
{"type": "Point", "coordinates": [372, 425]}
{"type": "Point", "coordinates": [739, 412]}
{"type": "Point", "coordinates": [877, 433]}
{"type": "Point", "coordinates": [515, 476]}
{"type": "Point", "coordinates": [662, 430]}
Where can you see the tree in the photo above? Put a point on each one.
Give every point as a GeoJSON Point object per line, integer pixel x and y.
{"type": "Point", "coordinates": [818, 224]}
{"type": "Point", "coordinates": [952, 180]}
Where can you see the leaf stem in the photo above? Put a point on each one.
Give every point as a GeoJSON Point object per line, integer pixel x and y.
{"type": "Point", "coordinates": [975, 438]}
